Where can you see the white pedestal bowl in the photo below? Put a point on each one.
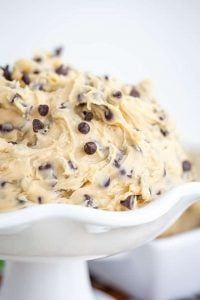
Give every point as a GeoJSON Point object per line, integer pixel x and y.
{"type": "Point", "coordinates": [46, 246]}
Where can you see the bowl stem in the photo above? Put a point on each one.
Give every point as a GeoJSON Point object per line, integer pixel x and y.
{"type": "Point", "coordinates": [63, 280]}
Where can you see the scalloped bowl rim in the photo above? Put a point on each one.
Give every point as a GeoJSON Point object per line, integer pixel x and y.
{"type": "Point", "coordinates": [148, 213]}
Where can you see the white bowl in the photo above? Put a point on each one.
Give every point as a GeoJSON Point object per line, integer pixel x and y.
{"type": "Point", "coordinates": [166, 268]}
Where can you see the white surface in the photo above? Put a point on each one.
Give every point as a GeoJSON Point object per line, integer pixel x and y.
{"type": "Point", "coordinates": [129, 39]}
{"type": "Point", "coordinates": [161, 270]}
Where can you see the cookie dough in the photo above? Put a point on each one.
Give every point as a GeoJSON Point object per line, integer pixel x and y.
{"type": "Point", "coordinates": [71, 137]}
{"type": "Point", "coordinates": [191, 218]}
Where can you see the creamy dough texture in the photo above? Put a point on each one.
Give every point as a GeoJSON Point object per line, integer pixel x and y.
{"type": "Point", "coordinates": [71, 137]}
{"type": "Point", "coordinates": [191, 218]}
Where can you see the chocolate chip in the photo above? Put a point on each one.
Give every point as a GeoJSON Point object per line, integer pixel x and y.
{"type": "Point", "coordinates": [47, 166]}
{"type": "Point", "coordinates": [116, 164]}
{"type": "Point", "coordinates": [7, 73]}
{"type": "Point", "coordinates": [84, 127]}
{"type": "Point", "coordinates": [63, 105]}
{"type": "Point", "coordinates": [6, 127]}
{"type": "Point", "coordinates": [90, 148]}
{"type": "Point", "coordinates": [164, 132]}
{"type": "Point", "coordinates": [71, 165]}
{"type": "Point", "coordinates": [128, 202]}
{"type": "Point", "coordinates": [12, 142]}
{"type": "Point", "coordinates": [2, 183]}
{"type": "Point", "coordinates": [119, 157]}
{"type": "Point", "coordinates": [26, 79]}
{"type": "Point", "coordinates": [37, 59]}
{"type": "Point", "coordinates": [36, 72]}
{"type": "Point", "coordinates": [43, 109]}
{"type": "Point", "coordinates": [58, 51]}
{"type": "Point", "coordinates": [37, 125]}
{"type": "Point", "coordinates": [186, 165]}
{"type": "Point", "coordinates": [123, 172]}
{"type": "Point", "coordinates": [108, 114]}
{"type": "Point", "coordinates": [134, 92]}
{"type": "Point", "coordinates": [130, 174]}
{"type": "Point", "coordinates": [21, 201]}
{"type": "Point", "coordinates": [12, 100]}
{"type": "Point", "coordinates": [107, 182]}
{"type": "Point", "coordinates": [80, 97]}
{"type": "Point", "coordinates": [158, 193]}
{"type": "Point", "coordinates": [117, 94]}
{"type": "Point", "coordinates": [39, 200]}
{"type": "Point", "coordinates": [38, 86]}
{"type": "Point", "coordinates": [162, 118]}
{"type": "Point", "coordinates": [106, 77]}
{"type": "Point", "coordinates": [88, 200]}
{"type": "Point", "coordinates": [62, 70]}
{"type": "Point", "coordinates": [88, 115]}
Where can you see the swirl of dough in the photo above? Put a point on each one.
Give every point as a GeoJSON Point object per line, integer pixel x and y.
{"type": "Point", "coordinates": [71, 137]}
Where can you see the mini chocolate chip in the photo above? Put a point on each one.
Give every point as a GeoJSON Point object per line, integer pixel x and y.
{"type": "Point", "coordinates": [63, 105]}
{"type": "Point", "coordinates": [134, 92]}
{"type": "Point", "coordinates": [162, 118]}
{"type": "Point", "coordinates": [62, 70]}
{"type": "Point", "coordinates": [117, 94]}
{"type": "Point", "coordinates": [36, 72]}
{"type": "Point", "coordinates": [158, 193]}
{"type": "Point", "coordinates": [58, 51]}
{"type": "Point", "coordinates": [12, 100]}
{"type": "Point", "coordinates": [26, 78]}
{"type": "Point", "coordinates": [2, 183]}
{"type": "Point", "coordinates": [186, 165]}
{"type": "Point", "coordinates": [123, 172]}
{"type": "Point", "coordinates": [128, 202]}
{"type": "Point", "coordinates": [130, 174]}
{"type": "Point", "coordinates": [7, 73]}
{"type": "Point", "coordinates": [6, 127]}
{"type": "Point", "coordinates": [106, 77]}
{"type": "Point", "coordinates": [21, 201]}
{"type": "Point", "coordinates": [12, 142]}
{"type": "Point", "coordinates": [116, 163]}
{"type": "Point", "coordinates": [88, 200]}
{"type": "Point", "coordinates": [38, 86]}
{"type": "Point", "coordinates": [37, 59]}
{"type": "Point", "coordinates": [80, 97]}
{"type": "Point", "coordinates": [88, 115]}
{"type": "Point", "coordinates": [47, 166]}
{"type": "Point", "coordinates": [37, 125]}
{"type": "Point", "coordinates": [43, 109]}
{"type": "Point", "coordinates": [39, 200]}
{"type": "Point", "coordinates": [90, 148]}
{"type": "Point", "coordinates": [84, 127]}
{"type": "Point", "coordinates": [108, 114]}
{"type": "Point", "coordinates": [71, 165]}
{"type": "Point", "coordinates": [164, 132]}
{"type": "Point", "coordinates": [107, 182]}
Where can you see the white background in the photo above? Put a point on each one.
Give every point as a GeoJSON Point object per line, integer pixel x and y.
{"type": "Point", "coordinates": [131, 40]}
